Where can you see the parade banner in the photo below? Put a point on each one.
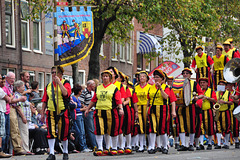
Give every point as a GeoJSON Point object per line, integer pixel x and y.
{"type": "Point", "coordinates": [75, 35]}
{"type": "Point", "coordinates": [167, 67]}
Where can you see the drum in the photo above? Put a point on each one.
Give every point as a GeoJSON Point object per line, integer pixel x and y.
{"type": "Point", "coordinates": [236, 113]}
{"type": "Point", "coordinates": [182, 91]}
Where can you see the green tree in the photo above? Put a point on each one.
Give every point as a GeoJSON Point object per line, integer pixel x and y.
{"type": "Point", "coordinates": [191, 20]}
{"type": "Point", "coordinates": [111, 17]}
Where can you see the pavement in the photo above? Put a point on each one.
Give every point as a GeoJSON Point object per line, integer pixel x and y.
{"type": "Point", "coordinates": [221, 154]}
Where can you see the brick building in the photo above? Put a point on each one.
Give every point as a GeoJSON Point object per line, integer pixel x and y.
{"type": "Point", "coordinates": [30, 49]}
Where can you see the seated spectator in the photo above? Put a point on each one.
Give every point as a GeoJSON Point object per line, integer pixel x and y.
{"type": "Point", "coordinates": [24, 115]}
{"type": "Point", "coordinates": [38, 133]}
{"type": "Point", "coordinates": [79, 123]}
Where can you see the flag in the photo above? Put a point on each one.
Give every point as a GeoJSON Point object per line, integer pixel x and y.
{"type": "Point", "coordinates": [168, 67]}
{"type": "Point", "coordinates": [75, 35]}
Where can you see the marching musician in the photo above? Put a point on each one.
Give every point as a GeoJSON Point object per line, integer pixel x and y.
{"type": "Point", "coordinates": [187, 114]}
{"type": "Point", "coordinates": [107, 100]}
{"type": "Point", "coordinates": [136, 82]}
{"type": "Point", "coordinates": [173, 121]}
{"type": "Point", "coordinates": [228, 51]}
{"type": "Point", "coordinates": [232, 47]}
{"type": "Point", "coordinates": [142, 91]}
{"type": "Point", "coordinates": [125, 121]}
{"type": "Point", "coordinates": [120, 87]}
{"type": "Point", "coordinates": [158, 111]}
{"type": "Point", "coordinates": [204, 65]}
{"type": "Point", "coordinates": [134, 115]}
{"type": "Point", "coordinates": [209, 99]}
{"type": "Point", "coordinates": [224, 116]}
{"type": "Point", "coordinates": [234, 121]}
{"type": "Point", "coordinates": [220, 61]}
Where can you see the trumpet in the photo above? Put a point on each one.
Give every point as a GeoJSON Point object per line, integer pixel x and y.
{"type": "Point", "coordinates": [216, 107]}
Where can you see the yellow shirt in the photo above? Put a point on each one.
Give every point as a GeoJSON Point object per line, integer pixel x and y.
{"type": "Point", "coordinates": [219, 62]}
{"type": "Point", "coordinates": [142, 94]}
{"type": "Point", "coordinates": [229, 54]}
{"type": "Point", "coordinates": [159, 100]}
{"type": "Point", "coordinates": [105, 97]}
{"type": "Point", "coordinates": [201, 61]}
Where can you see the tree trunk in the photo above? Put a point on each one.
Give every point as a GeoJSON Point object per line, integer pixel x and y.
{"type": "Point", "coordinates": [75, 72]}
{"type": "Point", "coordinates": [94, 67]}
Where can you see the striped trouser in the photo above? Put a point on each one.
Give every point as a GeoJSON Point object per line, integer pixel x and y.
{"type": "Point", "coordinates": [208, 122]}
{"type": "Point", "coordinates": [106, 122]}
{"type": "Point", "coordinates": [199, 124]}
{"type": "Point", "coordinates": [224, 122]}
{"type": "Point", "coordinates": [134, 123]}
{"type": "Point", "coordinates": [234, 125]}
{"type": "Point", "coordinates": [63, 125]}
{"type": "Point", "coordinates": [158, 118]}
{"type": "Point", "coordinates": [142, 116]}
{"type": "Point", "coordinates": [218, 75]}
{"type": "Point", "coordinates": [187, 119]}
{"type": "Point", "coordinates": [204, 72]}
{"type": "Point", "coordinates": [126, 127]}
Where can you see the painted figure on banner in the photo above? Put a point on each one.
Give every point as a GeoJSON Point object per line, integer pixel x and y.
{"type": "Point", "coordinates": [65, 27]}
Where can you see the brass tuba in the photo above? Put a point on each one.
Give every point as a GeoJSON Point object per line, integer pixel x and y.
{"type": "Point", "coordinates": [231, 71]}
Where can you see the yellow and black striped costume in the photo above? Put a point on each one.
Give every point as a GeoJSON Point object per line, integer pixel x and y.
{"type": "Point", "coordinates": [219, 64]}
{"type": "Point", "coordinates": [224, 120]}
{"type": "Point", "coordinates": [106, 119]}
{"type": "Point", "coordinates": [158, 111]}
{"type": "Point", "coordinates": [142, 93]}
{"type": "Point", "coordinates": [208, 119]}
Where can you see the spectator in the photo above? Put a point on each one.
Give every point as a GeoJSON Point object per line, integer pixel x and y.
{"type": "Point", "coordinates": [85, 99]}
{"type": "Point", "coordinates": [38, 132]}
{"type": "Point", "coordinates": [79, 124]}
{"type": "Point", "coordinates": [35, 90]}
{"type": "Point", "coordinates": [14, 130]}
{"type": "Point", "coordinates": [24, 114]}
{"type": "Point", "coordinates": [96, 81]}
{"type": "Point", "coordinates": [25, 77]}
{"type": "Point", "coordinates": [6, 138]}
{"type": "Point", "coordinates": [3, 99]}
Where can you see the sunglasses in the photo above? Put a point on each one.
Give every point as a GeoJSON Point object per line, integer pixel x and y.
{"type": "Point", "coordinates": [53, 72]}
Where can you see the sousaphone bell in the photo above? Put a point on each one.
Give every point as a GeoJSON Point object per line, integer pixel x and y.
{"type": "Point", "coordinates": [231, 71]}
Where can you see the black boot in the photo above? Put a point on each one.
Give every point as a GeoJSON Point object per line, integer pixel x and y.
{"type": "Point", "coordinates": [51, 157]}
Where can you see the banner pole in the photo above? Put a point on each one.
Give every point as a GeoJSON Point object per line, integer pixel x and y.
{"type": "Point", "coordinates": [55, 47]}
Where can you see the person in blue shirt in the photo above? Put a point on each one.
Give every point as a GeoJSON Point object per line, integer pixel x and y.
{"type": "Point", "coordinates": [78, 125]}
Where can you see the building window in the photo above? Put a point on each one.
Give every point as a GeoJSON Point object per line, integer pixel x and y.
{"type": "Point", "coordinates": [147, 66]}
{"type": "Point", "coordinates": [9, 22]}
{"type": "Point", "coordinates": [122, 52]}
{"type": "Point", "coordinates": [114, 51]}
{"type": "Point", "coordinates": [81, 77]}
{"type": "Point", "coordinates": [36, 36]}
{"type": "Point", "coordinates": [6, 70]}
{"type": "Point", "coordinates": [37, 33]}
{"type": "Point", "coordinates": [139, 61]}
{"type": "Point", "coordinates": [24, 25]}
{"type": "Point", "coordinates": [69, 78]}
{"type": "Point", "coordinates": [48, 78]}
{"type": "Point", "coordinates": [32, 75]}
{"type": "Point", "coordinates": [41, 80]}
{"type": "Point", "coordinates": [129, 49]}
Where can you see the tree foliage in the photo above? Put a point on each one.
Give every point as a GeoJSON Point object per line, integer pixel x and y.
{"type": "Point", "coordinates": [191, 20]}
